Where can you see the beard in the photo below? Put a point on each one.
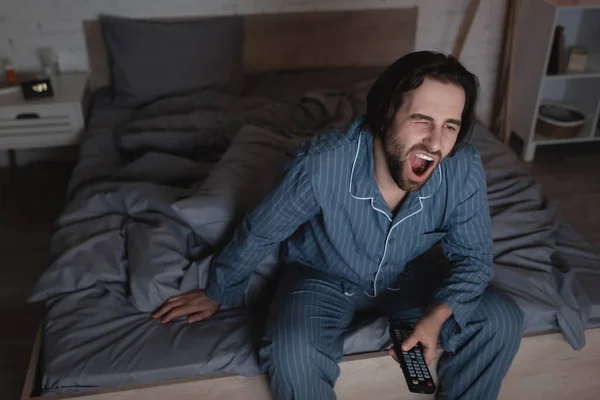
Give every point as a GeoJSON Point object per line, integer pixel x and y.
{"type": "Point", "coordinates": [396, 157]}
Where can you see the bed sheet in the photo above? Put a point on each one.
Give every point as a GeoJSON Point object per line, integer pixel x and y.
{"type": "Point", "coordinates": [120, 249]}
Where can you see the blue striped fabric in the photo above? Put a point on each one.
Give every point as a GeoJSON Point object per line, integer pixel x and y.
{"type": "Point", "coordinates": [310, 312]}
{"type": "Point", "coordinates": [332, 217]}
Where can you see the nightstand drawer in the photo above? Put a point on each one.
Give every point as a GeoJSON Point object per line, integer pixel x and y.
{"type": "Point", "coordinates": [39, 126]}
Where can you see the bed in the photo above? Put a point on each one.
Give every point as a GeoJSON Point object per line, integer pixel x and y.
{"type": "Point", "coordinates": [161, 184]}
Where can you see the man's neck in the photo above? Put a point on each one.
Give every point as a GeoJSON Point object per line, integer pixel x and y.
{"type": "Point", "coordinates": [390, 191]}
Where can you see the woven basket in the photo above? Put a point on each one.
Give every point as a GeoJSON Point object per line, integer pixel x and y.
{"type": "Point", "coordinates": [559, 121]}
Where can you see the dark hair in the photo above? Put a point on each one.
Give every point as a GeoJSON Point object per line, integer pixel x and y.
{"type": "Point", "coordinates": [408, 73]}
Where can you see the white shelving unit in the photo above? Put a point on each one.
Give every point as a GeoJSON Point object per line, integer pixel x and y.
{"type": "Point", "coordinates": [531, 85]}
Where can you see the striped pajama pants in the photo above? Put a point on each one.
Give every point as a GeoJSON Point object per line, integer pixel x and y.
{"type": "Point", "coordinates": [311, 310]}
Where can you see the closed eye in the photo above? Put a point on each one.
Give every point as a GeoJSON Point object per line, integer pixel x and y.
{"type": "Point", "coordinates": [450, 127]}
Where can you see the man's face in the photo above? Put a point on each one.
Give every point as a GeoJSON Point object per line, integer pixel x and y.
{"type": "Point", "coordinates": [423, 132]}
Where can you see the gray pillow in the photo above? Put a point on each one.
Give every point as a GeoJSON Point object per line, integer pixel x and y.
{"type": "Point", "coordinates": [153, 59]}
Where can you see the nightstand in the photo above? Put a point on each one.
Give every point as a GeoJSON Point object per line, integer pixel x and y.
{"type": "Point", "coordinates": [49, 122]}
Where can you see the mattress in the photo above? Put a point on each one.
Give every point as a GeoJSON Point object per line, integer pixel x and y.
{"type": "Point", "coordinates": [121, 249]}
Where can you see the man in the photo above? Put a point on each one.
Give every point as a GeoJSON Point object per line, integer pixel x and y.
{"type": "Point", "coordinates": [355, 209]}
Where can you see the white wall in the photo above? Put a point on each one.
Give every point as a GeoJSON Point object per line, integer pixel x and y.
{"type": "Point", "coordinates": [26, 25]}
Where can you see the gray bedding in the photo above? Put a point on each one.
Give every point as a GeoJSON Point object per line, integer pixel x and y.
{"type": "Point", "coordinates": [158, 190]}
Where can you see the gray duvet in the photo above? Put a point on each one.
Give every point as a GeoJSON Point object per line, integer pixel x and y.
{"type": "Point", "coordinates": [156, 193]}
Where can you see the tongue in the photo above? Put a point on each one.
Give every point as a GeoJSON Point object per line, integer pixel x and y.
{"type": "Point", "coordinates": [418, 165]}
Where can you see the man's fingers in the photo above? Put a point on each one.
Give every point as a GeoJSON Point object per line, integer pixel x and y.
{"type": "Point", "coordinates": [429, 354]}
{"type": "Point", "coordinates": [179, 312]}
{"type": "Point", "coordinates": [174, 298]}
{"type": "Point", "coordinates": [199, 316]}
{"type": "Point", "coordinates": [410, 342]}
{"type": "Point", "coordinates": [392, 353]}
{"type": "Point", "coordinates": [165, 309]}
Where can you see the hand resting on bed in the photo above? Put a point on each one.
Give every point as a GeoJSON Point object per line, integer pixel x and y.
{"type": "Point", "coordinates": [195, 304]}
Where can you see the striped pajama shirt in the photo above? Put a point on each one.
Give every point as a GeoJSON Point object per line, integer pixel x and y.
{"type": "Point", "coordinates": [345, 251]}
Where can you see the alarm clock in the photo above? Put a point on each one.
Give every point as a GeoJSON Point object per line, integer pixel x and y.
{"type": "Point", "coordinates": [37, 88]}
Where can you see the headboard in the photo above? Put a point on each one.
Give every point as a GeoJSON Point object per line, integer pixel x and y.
{"type": "Point", "coordinates": [319, 39]}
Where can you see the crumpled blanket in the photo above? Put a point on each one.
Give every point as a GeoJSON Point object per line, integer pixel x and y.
{"type": "Point", "coordinates": [134, 226]}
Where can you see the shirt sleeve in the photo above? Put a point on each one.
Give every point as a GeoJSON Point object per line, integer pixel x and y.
{"type": "Point", "coordinates": [287, 207]}
{"type": "Point", "coordinates": [468, 246]}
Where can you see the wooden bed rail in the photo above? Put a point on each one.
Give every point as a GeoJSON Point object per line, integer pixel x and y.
{"type": "Point", "coordinates": [545, 368]}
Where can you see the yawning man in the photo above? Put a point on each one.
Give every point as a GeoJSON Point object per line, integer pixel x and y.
{"type": "Point", "coordinates": [355, 210]}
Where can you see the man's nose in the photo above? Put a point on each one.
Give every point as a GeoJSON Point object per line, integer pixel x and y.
{"type": "Point", "coordinates": [433, 140]}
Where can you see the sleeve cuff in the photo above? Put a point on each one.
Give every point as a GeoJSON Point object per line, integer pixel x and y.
{"type": "Point", "coordinates": [460, 310]}
{"type": "Point", "coordinates": [212, 292]}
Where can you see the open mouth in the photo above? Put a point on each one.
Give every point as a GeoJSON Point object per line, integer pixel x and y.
{"type": "Point", "coordinates": [420, 164]}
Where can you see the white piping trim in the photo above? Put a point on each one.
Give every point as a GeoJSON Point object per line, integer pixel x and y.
{"type": "Point", "coordinates": [386, 246]}
{"type": "Point", "coordinates": [384, 213]}
{"type": "Point", "coordinates": [380, 210]}
{"type": "Point", "coordinates": [352, 180]}
{"type": "Point", "coordinates": [421, 198]}
{"type": "Point", "coordinates": [352, 172]}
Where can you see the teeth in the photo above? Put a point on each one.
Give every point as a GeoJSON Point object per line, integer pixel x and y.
{"type": "Point", "coordinates": [424, 157]}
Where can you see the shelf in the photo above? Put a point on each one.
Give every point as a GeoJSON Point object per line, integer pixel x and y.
{"type": "Point", "coordinates": [592, 70]}
{"type": "Point", "coordinates": [535, 52]}
{"type": "Point", "coordinates": [574, 3]}
{"type": "Point", "coordinates": [583, 94]}
{"type": "Point", "coordinates": [586, 135]}
{"type": "Point", "coordinates": [540, 140]}
{"type": "Point", "coordinates": [574, 75]}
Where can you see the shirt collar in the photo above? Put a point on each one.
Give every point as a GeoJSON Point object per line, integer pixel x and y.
{"type": "Point", "coordinates": [362, 176]}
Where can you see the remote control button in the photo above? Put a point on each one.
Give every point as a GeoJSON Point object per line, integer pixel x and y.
{"type": "Point", "coordinates": [430, 384]}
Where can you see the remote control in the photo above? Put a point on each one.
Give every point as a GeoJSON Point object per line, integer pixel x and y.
{"type": "Point", "coordinates": [412, 362]}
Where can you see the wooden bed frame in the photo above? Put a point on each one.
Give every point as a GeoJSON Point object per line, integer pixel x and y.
{"type": "Point", "coordinates": [546, 367]}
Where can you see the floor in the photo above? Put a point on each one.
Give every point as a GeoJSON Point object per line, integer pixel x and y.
{"type": "Point", "coordinates": [34, 195]}
{"type": "Point", "coordinates": [570, 176]}
{"type": "Point", "coordinates": [32, 198]}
